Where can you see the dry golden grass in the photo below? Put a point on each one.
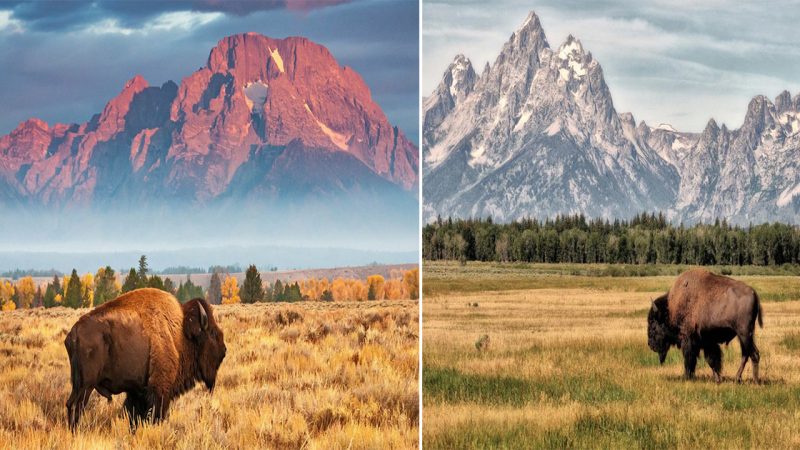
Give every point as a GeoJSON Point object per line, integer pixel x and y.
{"type": "Point", "coordinates": [570, 368]}
{"type": "Point", "coordinates": [305, 375]}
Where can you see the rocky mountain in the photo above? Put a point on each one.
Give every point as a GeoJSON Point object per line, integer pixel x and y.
{"type": "Point", "coordinates": [263, 119]}
{"type": "Point", "coordinates": [537, 134]}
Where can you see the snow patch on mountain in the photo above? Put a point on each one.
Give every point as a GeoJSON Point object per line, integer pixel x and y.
{"type": "Point", "coordinates": [338, 139]}
{"type": "Point", "coordinates": [665, 126]}
{"type": "Point", "coordinates": [255, 93]}
{"type": "Point", "coordinates": [276, 56]}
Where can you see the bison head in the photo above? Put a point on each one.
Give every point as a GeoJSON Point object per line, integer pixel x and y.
{"type": "Point", "coordinates": [660, 336]}
{"type": "Point", "coordinates": [209, 343]}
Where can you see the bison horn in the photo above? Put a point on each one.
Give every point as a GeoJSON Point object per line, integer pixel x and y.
{"type": "Point", "coordinates": [203, 316]}
{"type": "Point", "coordinates": [655, 308]}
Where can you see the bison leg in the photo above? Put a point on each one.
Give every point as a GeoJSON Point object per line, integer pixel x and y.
{"type": "Point", "coordinates": [741, 369]}
{"type": "Point", "coordinates": [136, 406]}
{"type": "Point", "coordinates": [691, 351]}
{"type": "Point", "coordinates": [160, 402]}
{"type": "Point", "coordinates": [749, 351]}
{"type": "Point", "coordinates": [76, 404]}
{"type": "Point", "coordinates": [713, 354]}
{"type": "Point", "coordinates": [756, 357]}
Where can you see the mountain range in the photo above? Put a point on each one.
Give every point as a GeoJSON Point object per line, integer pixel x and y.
{"type": "Point", "coordinates": [536, 134]}
{"type": "Point", "coordinates": [264, 120]}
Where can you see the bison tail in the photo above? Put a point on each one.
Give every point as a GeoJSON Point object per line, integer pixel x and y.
{"type": "Point", "coordinates": [74, 360]}
{"type": "Point", "coordinates": [760, 312]}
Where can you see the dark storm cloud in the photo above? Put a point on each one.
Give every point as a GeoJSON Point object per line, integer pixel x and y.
{"type": "Point", "coordinates": [67, 76]}
{"type": "Point", "coordinates": [59, 15]}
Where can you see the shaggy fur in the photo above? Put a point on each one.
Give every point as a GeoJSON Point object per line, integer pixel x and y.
{"type": "Point", "coordinates": [146, 344]}
{"type": "Point", "coordinates": [701, 311]}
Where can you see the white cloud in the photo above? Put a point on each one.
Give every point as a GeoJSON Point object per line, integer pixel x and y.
{"type": "Point", "coordinates": [172, 21]}
{"type": "Point", "coordinates": [9, 24]}
{"type": "Point", "coordinates": [183, 20]}
{"type": "Point", "coordinates": [109, 26]}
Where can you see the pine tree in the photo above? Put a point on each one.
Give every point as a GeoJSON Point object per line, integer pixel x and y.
{"type": "Point", "coordinates": [188, 291]}
{"type": "Point", "coordinates": [156, 282]}
{"type": "Point", "coordinates": [180, 294]}
{"type": "Point", "coordinates": [252, 289]}
{"type": "Point", "coordinates": [142, 278]}
{"type": "Point", "coordinates": [277, 292]}
{"type": "Point", "coordinates": [50, 293]}
{"type": "Point", "coordinates": [57, 285]}
{"type": "Point", "coordinates": [72, 293]}
{"type": "Point", "coordinates": [169, 285]}
{"type": "Point", "coordinates": [105, 285]}
{"type": "Point", "coordinates": [291, 292]}
{"type": "Point", "coordinates": [131, 281]}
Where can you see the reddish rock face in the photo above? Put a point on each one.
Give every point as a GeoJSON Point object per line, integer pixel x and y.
{"type": "Point", "coordinates": [255, 95]}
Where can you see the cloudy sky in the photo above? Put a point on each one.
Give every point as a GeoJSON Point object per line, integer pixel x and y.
{"type": "Point", "coordinates": [679, 62]}
{"type": "Point", "coordinates": [62, 60]}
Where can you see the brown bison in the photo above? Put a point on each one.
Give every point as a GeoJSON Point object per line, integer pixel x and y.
{"type": "Point", "coordinates": [701, 311]}
{"type": "Point", "coordinates": [146, 344]}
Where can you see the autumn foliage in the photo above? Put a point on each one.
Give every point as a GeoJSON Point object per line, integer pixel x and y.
{"type": "Point", "coordinates": [230, 291]}
{"type": "Point", "coordinates": [93, 289]}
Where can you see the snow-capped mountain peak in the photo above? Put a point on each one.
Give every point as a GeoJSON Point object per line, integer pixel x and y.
{"type": "Point", "coordinates": [538, 135]}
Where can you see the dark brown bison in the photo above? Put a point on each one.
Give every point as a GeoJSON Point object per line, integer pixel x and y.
{"type": "Point", "coordinates": [146, 344]}
{"type": "Point", "coordinates": [701, 311]}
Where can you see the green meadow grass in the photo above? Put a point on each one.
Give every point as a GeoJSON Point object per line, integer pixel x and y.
{"type": "Point", "coordinates": [778, 283]}
{"type": "Point", "coordinates": [568, 365]}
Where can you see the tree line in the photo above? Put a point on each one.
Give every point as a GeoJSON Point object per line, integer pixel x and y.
{"type": "Point", "coordinates": [644, 239]}
{"type": "Point", "coordinates": [91, 290]}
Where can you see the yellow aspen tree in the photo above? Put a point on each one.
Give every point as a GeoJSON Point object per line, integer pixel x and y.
{"type": "Point", "coordinates": [411, 280]}
{"type": "Point", "coordinates": [340, 290]}
{"type": "Point", "coordinates": [393, 289]}
{"type": "Point", "coordinates": [59, 298]}
{"type": "Point", "coordinates": [308, 288]}
{"type": "Point", "coordinates": [230, 291]}
{"type": "Point", "coordinates": [375, 285]}
{"type": "Point", "coordinates": [359, 290]}
{"type": "Point", "coordinates": [6, 294]}
{"type": "Point", "coordinates": [87, 290]}
{"type": "Point", "coordinates": [26, 290]}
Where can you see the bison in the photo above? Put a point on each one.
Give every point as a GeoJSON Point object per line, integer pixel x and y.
{"type": "Point", "coordinates": [147, 345]}
{"type": "Point", "coordinates": [701, 311]}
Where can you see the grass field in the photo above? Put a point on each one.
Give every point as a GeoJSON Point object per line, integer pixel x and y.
{"type": "Point", "coordinates": [567, 365]}
{"type": "Point", "coordinates": [306, 375]}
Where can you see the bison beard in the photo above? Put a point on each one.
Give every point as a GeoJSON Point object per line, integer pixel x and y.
{"type": "Point", "coordinates": [146, 344]}
{"type": "Point", "coordinates": [700, 312]}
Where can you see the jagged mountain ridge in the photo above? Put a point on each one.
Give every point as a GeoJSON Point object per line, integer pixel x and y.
{"type": "Point", "coordinates": [247, 124]}
{"type": "Point", "coordinates": [536, 134]}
